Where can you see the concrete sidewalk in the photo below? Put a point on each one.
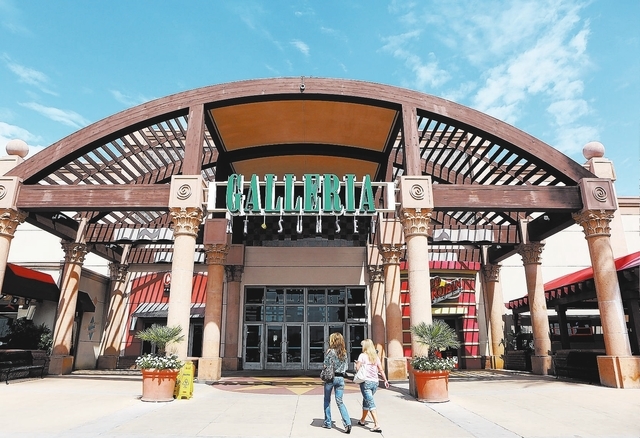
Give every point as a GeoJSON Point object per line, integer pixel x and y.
{"type": "Point", "coordinates": [483, 404]}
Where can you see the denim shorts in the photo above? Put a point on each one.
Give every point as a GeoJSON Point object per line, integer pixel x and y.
{"type": "Point", "coordinates": [368, 388]}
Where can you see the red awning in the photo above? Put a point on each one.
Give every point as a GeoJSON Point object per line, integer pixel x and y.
{"type": "Point", "coordinates": [628, 261]}
{"type": "Point", "coordinates": [622, 263]}
{"type": "Point", "coordinates": [27, 283]}
{"type": "Point", "coordinates": [565, 283]}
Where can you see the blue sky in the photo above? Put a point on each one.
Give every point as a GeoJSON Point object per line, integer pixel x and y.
{"type": "Point", "coordinates": [565, 71]}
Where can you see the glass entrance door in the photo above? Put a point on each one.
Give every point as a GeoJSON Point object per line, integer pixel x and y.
{"type": "Point", "coordinates": [252, 354]}
{"type": "Point", "coordinates": [289, 327]}
{"type": "Point", "coordinates": [275, 346]}
{"type": "Point", "coordinates": [284, 347]}
{"type": "Point", "coordinates": [316, 341]}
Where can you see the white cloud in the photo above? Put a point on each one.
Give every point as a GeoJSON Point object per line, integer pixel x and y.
{"type": "Point", "coordinates": [67, 117]}
{"type": "Point", "coordinates": [571, 140]}
{"type": "Point", "coordinates": [29, 75]}
{"type": "Point", "coordinates": [338, 35]}
{"type": "Point", "coordinates": [426, 74]}
{"type": "Point", "coordinates": [127, 99]}
{"type": "Point", "coordinates": [568, 111]}
{"type": "Point", "coordinates": [12, 132]}
{"type": "Point", "coordinates": [502, 58]}
{"type": "Point", "coordinates": [301, 46]}
{"type": "Point", "coordinates": [545, 68]}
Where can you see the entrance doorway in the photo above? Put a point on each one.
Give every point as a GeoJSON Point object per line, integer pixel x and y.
{"type": "Point", "coordinates": [288, 328]}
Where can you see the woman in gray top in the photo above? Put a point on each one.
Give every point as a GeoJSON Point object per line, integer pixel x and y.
{"type": "Point", "coordinates": [336, 355]}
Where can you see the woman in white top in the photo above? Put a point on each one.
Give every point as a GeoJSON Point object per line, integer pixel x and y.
{"type": "Point", "coordinates": [370, 360]}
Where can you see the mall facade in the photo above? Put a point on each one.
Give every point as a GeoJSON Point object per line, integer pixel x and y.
{"type": "Point", "coordinates": [262, 216]}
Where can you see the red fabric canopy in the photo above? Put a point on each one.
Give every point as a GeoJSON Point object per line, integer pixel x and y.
{"type": "Point", "coordinates": [27, 283]}
{"type": "Point", "coordinates": [622, 263]}
{"type": "Point", "coordinates": [626, 262]}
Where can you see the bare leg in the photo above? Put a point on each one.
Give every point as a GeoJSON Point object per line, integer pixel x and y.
{"type": "Point", "coordinates": [374, 415]}
{"type": "Point", "coordinates": [364, 416]}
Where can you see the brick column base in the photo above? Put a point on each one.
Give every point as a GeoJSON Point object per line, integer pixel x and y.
{"type": "Point", "coordinates": [541, 365]}
{"type": "Point", "coordinates": [107, 362]}
{"type": "Point", "coordinates": [209, 369]}
{"type": "Point", "coordinates": [619, 371]}
{"type": "Point", "coordinates": [396, 368]}
{"type": "Point", "coordinates": [59, 365]}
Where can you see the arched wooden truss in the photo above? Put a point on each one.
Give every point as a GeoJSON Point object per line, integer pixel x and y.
{"type": "Point", "coordinates": [487, 174]}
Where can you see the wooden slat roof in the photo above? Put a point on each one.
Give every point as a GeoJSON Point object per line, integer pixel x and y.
{"type": "Point", "coordinates": [115, 172]}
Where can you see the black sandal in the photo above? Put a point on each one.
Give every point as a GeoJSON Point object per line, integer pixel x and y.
{"type": "Point", "coordinates": [377, 429]}
{"type": "Point", "coordinates": [360, 423]}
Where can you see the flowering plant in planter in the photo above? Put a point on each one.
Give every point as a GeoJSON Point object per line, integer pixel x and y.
{"type": "Point", "coordinates": [154, 361]}
{"type": "Point", "coordinates": [437, 337]}
{"type": "Point", "coordinates": [160, 336]}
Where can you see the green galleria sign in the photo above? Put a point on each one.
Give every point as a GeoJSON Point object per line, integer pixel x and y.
{"type": "Point", "coordinates": [320, 194]}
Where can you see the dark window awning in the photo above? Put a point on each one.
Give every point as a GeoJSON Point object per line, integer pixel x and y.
{"type": "Point", "coordinates": [27, 283]}
{"type": "Point", "coordinates": [579, 283]}
{"type": "Point", "coordinates": [161, 310]}
{"type": "Point", "coordinates": [84, 303]}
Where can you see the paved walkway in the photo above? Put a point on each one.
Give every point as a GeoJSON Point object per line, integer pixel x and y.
{"type": "Point", "coordinates": [483, 404]}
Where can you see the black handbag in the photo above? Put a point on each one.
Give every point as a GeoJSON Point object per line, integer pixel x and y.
{"type": "Point", "coordinates": [328, 373]}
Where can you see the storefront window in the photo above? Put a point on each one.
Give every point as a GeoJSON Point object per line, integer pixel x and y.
{"type": "Point", "coordinates": [316, 314]}
{"type": "Point", "coordinates": [295, 313]}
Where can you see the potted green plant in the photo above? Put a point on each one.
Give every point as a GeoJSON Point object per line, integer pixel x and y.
{"type": "Point", "coordinates": [431, 371]}
{"type": "Point", "coordinates": [159, 369]}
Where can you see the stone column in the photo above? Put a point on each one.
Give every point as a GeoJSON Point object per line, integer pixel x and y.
{"type": "Point", "coordinates": [541, 359]}
{"type": "Point", "coordinates": [376, 283]}
{"type": "Point", "coordinates": [495, 304]}
{"type": "Point", "coordinates": [231, 361]}
{"type": "Point", "coordinates": [396, 362]}
{"type": "Point", "coordinates": [116, 318]}
{"type": "Point", "coordinates": [415, 223]}
{"type": "Point", "coordinates": [9, 221]}
{"type": "Point", "coordinates": [484, 347]}
{"type": "Point", "coordinates": [416, 207]}
{"type": "Point", "coordinates": [186, 222]}
{"type": "Point", "coordinates": [618, 368]}
{"type": "Point", "coordinates": [186, 201]}
{"type": "Point", "coordinates": [210, 364]}
{"type": "Point", "coordinates": [61, 357]}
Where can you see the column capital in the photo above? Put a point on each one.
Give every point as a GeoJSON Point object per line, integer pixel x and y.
{"type": "Point", "coordinates": [216, 253]}
{"type": "Point", "coordinates": [186, 220]}
{"type": "Point", "coordinates": [118, 271]}
{"type": "Point", "coordinates": [491, 273]}
{"type": "Point", "coordinates": [234, 272]}
{"type": "Point", "coordinates": [594, 222]}
{"type": "Point", "coordinates": [391, 253]}
{"type": "Point", "coordinates": [9, 221]}
{"type": "Point", "coordinates": [376, 274]}
{"type": "Point", "coordinates": [415, 221]}
{"type": "Point", "coordinates": [74, 252]}
{"type": "Point", "coordinates": [531, 252]}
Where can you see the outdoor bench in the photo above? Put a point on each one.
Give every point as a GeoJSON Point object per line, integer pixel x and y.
{"type": "Point", "coordinates": [19, 363]}
{"type": "Point", "coordinates": [577, 364]}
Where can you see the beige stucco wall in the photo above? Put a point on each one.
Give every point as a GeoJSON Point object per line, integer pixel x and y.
{"type": "Point", "coordinates": [92, 324]}
{"type": "Point", "coordinates": [324, 266]}
{"type": "Point", "coordinates": [568, 252]}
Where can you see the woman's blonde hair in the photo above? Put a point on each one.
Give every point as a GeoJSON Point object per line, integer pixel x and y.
{"type": "Point", "coordinates": [369, 349]}
{"type": "Point", "coordinates": [336, 343]}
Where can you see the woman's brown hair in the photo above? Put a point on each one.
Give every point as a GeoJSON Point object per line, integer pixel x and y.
{"type": "Point", "coordinates": [336, 343]}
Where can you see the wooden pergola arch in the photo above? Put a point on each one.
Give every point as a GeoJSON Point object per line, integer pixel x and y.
{"type": "Point", "coordinates": [487, 174]}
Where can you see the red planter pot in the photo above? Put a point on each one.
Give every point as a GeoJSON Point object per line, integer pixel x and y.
{"type": "Point", "coordinates": [432, 386]}
{"type": "Point", "coordinates": [158, 385]}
